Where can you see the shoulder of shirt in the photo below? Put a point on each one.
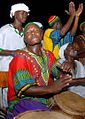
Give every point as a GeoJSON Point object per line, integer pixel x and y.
{"type": "Point", "coordinates": [5, 27]}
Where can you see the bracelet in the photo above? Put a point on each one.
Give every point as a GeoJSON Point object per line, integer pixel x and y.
{"type": "Point", "coordinates": [0, 49]}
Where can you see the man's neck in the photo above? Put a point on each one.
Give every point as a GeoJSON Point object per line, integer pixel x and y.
{"type": "Point", "coordinates": [36, 49]}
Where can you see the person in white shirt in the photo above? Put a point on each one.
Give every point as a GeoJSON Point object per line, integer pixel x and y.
{"type": "Point", "coordinates": [11, 35]}
{"type": "Point", "coordinates": [68, 52]}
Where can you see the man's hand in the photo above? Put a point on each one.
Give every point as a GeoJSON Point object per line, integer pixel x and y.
{"type": "Point", "coordinates": [66, 66]}
{"type": "Point", "coordinates": [61, 83]}
{"type": "Point", "coordinates": [15, 52]}
{"type": "Point", "coordinates": [72, 8]}
{"type": "Point", "coordinates": [73, 11]}
{"type": "Point", "coordinates": [79, 10]}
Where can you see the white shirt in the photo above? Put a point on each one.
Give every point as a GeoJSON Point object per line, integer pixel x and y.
{"type": "Point", "coordinates": [9, 40]}
{"type": "Point", "coordinates": [80, 72]}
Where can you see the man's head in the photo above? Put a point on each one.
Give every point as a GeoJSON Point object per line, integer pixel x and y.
{"type": "Point", "coordinates": [18, 7]}
{"type": "Point", "coordinates": [67, 51]}
{"type": "Point", "coordinates": [33, 33]}
{"type": "Point", "coordinates": [54, 21]}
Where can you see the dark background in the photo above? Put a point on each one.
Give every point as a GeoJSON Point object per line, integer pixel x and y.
{"type": "Point", "coordinates": [40, 10]}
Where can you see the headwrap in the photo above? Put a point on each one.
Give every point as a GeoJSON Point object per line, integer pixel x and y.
{"type": "Point", "coordinates": [18, 7]}
{"type": "Point", "coordinates": [35, 23]}
{"type": "Point", "coordinates": [82, 24]}
{"type": "Point", "coordinates": [52, 19]}
{"type": "Point", "coordinates": [61, 51]}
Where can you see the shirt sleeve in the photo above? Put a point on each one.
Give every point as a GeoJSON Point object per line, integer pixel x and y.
{"type": "Point", "coordinates": [68, 38]}
{"type": "Point", "coordinates": [55, 36]}
{"type": "Point", "coordinates": [22, 80]}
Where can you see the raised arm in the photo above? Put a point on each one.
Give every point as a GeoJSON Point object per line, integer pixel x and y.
{"type": "Point", "coordinates": [70, 20]}
{"type": "Point", "coordinates": [77, 15]}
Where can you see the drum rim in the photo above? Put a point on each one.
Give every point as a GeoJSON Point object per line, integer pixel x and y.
{"type": "Point", "coordinates": [55, 112]}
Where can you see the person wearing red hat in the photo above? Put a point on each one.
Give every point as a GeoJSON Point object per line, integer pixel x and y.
{"type": "Point", "coordinates": [57, 35]}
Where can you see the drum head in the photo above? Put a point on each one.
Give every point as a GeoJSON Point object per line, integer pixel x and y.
{"type": "Point", "coordinates": [71, 103]}
{"type": "Point", "coordinates": [44, 115]}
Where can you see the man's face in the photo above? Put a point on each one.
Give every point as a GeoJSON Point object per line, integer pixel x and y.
{"type": "Point", "coordinates": [70, 51]}
{"type": "Point", "coordinates": [21, 16]}
{"type": "Point", "coordinates": [57, 25]}
{"type": "Point", "coordinates": [33, 35]}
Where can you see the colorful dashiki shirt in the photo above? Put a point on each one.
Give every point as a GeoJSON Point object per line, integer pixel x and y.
{"type": "Point", "coordinates": [26, 70]}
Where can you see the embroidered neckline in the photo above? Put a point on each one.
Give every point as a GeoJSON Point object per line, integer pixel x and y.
{"type": "Point", "coordinates": [42, 63]}
{"type": "Point", "coordinates": [16, 30]}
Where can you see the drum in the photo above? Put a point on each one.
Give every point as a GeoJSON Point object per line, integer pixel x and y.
{"type": "Point", "coordinates": [70, 103]}
{"type": "Point", "coordinates": [3, 79]}
{"type": "Point", "coordinates": [45, 115]}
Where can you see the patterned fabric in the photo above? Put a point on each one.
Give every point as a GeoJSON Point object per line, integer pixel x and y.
{"type": "Point", "coordinates": [56, 38]}
{"type": "Point", "coordinates": [53, 40]}
{"type": "Point", "coordinates": [52, 19]}
{"type": "Point", "coordinates": [27, 70]}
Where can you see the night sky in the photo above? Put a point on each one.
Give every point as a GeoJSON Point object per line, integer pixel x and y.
{"type": "Point", "coordinates": [40, 10]}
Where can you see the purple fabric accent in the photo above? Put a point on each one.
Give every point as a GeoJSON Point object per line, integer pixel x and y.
{"type": "Point", "coordinates": [25, 105]}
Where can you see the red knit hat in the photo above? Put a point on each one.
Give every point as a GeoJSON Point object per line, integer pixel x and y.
{"type": "Point", "coordinates": [52, 19]}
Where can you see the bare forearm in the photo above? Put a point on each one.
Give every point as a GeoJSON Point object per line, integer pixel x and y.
{"type": "Point", "coordinates": [38, 90]}
{"type": "Point", "coordinates": [67, 25]}
{"type": "Point", "coordinates": [75, 26]}
{"type": "Point", "coordinates": [79, 80]}
{"type": "Point", "coordinates": [55, 88]}
{"type": "Point", "coordinates": [6, 53]}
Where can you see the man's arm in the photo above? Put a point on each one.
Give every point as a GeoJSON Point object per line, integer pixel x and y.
{"type": "Point", "coordinates": [8, 52]}
{"type": "Point", "coordinates": [70, 20]}
{"type": "Point", "coordinates": [55, 88]}
{"type": "Point", "coordinates": [77, 15]}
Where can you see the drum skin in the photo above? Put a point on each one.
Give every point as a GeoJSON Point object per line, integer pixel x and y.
{"type": "Point", "coordinates": [46, 115]}
{"type": "Point", "coordinates": [70, 103]}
